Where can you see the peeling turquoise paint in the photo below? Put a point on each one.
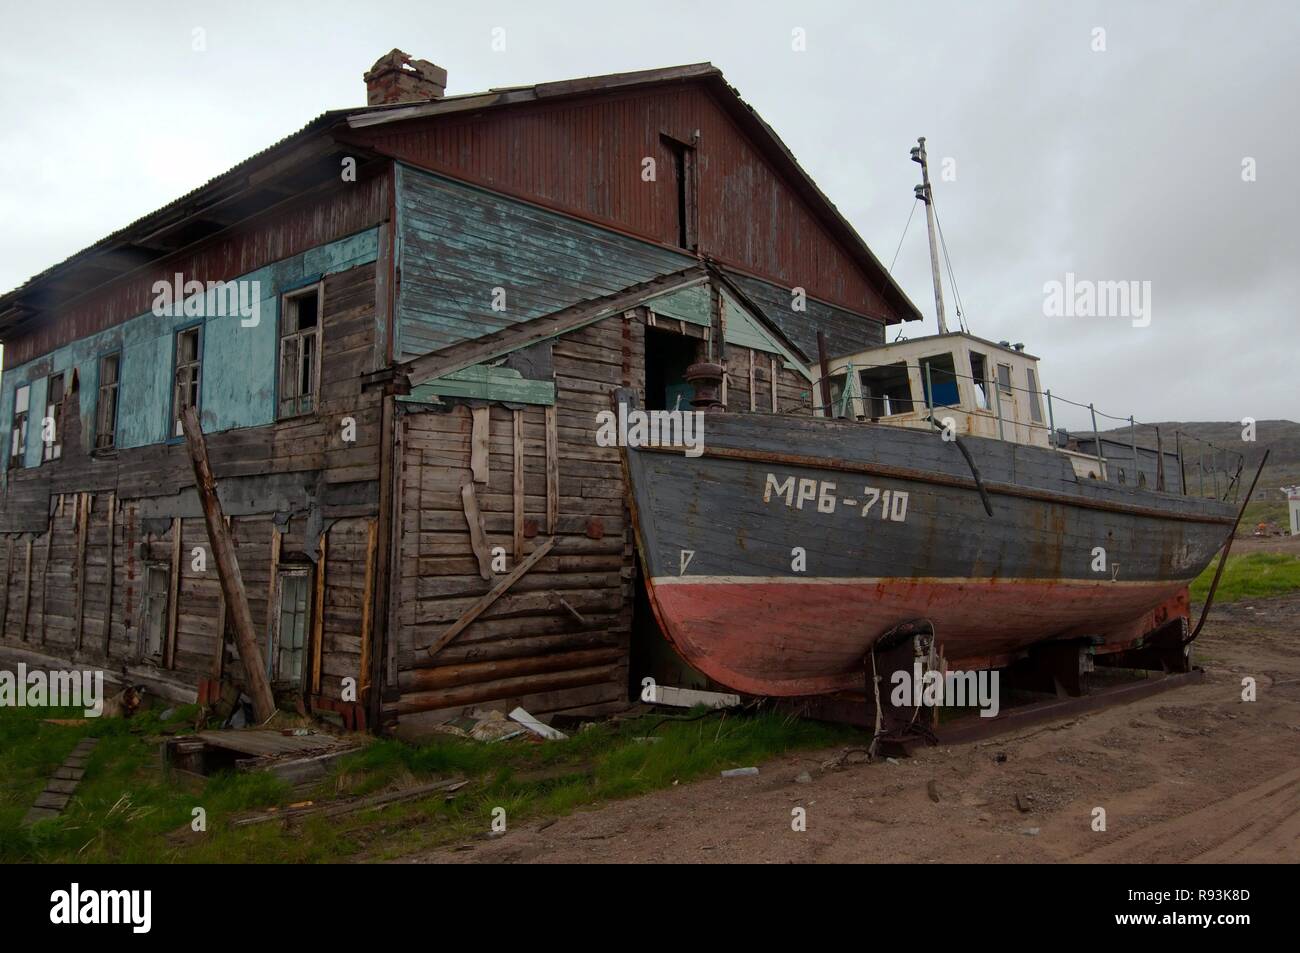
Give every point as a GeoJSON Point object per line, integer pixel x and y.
{"type": "Point", "coordinates": [237, 383]}
{"type": "Point", "coordinates": [485, 382]}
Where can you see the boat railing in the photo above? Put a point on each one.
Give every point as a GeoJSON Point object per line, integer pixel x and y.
{"type": "Point", "coordinates": [1219, 478]}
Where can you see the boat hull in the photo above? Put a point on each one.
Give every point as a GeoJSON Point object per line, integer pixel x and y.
{"type": "Point", "coordinates": [776, 558]}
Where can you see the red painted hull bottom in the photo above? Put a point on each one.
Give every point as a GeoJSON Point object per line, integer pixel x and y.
{"type": "Point", "coordinates": [811, 637]}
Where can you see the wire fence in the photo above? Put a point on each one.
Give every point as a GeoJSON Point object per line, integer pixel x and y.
{"type": "Point", "coordinates": [1217, 476]}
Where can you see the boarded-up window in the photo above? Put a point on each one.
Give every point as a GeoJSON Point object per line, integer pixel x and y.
{"type": "Point", "coordinates": [189, 355]}
{"type": "Point", "coordinates": [300, 352]}
{"type": "Point", "coordinates": [153, 611]}
{"type": "Point", "coordinates": [292, 618]}
{"type": "Point", "coordinates": [52, 425]}
{"type": "Point", "coordinates": [18, 432]}
{"type": "Point", "coordinates": [106, 407]}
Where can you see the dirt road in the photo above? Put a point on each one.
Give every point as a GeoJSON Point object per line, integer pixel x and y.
{"type": "Point", "coordinates": [1195, 774]}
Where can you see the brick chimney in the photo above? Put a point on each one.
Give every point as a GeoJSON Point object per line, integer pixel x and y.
{"type": "Point", "coordinates": [396, 78]}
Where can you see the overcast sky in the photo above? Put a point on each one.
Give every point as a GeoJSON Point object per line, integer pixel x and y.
{"type": "Point", "coordinates": [1115, 164]}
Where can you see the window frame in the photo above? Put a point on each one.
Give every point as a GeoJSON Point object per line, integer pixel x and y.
{"type": "Point", "coordinates": [1035, 398]}
{"type": "Point", "coordinates": [19, 421]}
{"type": "Point", "coordinates": [52, 450]}
{"type": "Point", "coordinates": [99, 402]}
{"type": "Point", "coordinates": [286, 297]}
{"type": "Point", "coordinates": [175, 433]}
{"type": "Point", "coordinates": [306, 573]}
{"type": "Point", "coordinates": [147, 597]}
{"type": "Point", "coordinates": [1009, 387]}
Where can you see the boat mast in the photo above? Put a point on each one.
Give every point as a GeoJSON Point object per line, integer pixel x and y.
{"type": "Point", "coordinates": [925, 195]}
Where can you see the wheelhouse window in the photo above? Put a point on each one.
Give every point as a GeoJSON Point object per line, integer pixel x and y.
{"type": "Point", "coordinates": [300, 352]}
{"type": "Point", "coordinates": [886, 390]}
{"type": "Point", "coordinates": [185, 391]}
{"type": "Point", "coordinates": [18, 431]}
{"type": "Point", "coordinates": [939, 378]}
{"type": "Point", "coordinates": [1035, 399]}
{"type": "Point", "coordinates": [52, 425]}
{"type": "Point", "coordinates": [110, 366]}
{"type": "Point", "coordinates": [979, 372]}
{"type": "Point", "coordinates": [1004, 378]}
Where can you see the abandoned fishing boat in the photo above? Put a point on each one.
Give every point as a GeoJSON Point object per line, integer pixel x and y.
{"type": "Point", "coordinates": [929, 485]}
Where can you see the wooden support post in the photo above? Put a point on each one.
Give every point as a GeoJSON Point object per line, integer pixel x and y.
{"type": "Point", "coordinates": [483, 604]}
{"type": "Point", "coordinates": [480, 433]}
{"type": "Point", "coordinates": [174, 596]}
{"type": "Point", "coordinates": [824, 383]}
{"type": "Point", "coordinates": [83, 534]}
{"type": "Point", "coordinates": [277, 541]}
{"type": "Point", "coordinates": [519, 485]}
{"type": "Point", "coordinates": [110, 572]}
{"type": "Point", "coordinates": [753, 396]}
{"type": "Point", "coordinates": [552, 472]}
{"type": "Point", "coordinates": [27, 591]}
{"type": "Point", "coordinates": [4, 597]}
{"type": "Point", "coordinates": [232, 583]}
{"type": "Point", "coordinates": [45, 574]}
{"type": "Point", "coordinates": [477, 538]}
{"type": "Point", "coordinates": [318, 618]}
{"type": "Point", "coordinates": [775, 376]}
{"type": "Point", "coordinates": [367, 596]}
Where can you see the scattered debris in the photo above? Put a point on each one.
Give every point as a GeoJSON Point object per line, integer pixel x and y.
{"type": "Point", "coordinates": [739, 772]}
{"type": "Point", "coordinates": [803, 777]}
{"type": "Point", "coordinates": [537, 727]}
{"type": "Point", "coordinates": [932, 788]}
{"type": "Point", "coordinates": [61, 785]}
{"type": "Point", "coordinates": [1031, 831]}
{"type": "Point", "coordinates": [1023, 804]}
{"type": "Point", "coordinates": [348, 807]}
{"type": "Point", "coordinates": [688, 697]}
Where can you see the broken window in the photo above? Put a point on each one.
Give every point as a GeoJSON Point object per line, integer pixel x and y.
{"type": "Point", "coordinates": [153, 611]}
{"type": "Point", "coordinates": [1035, 402]}
{"type": "Point", "coordinates": [18, 432]}
{"type": "Point", "coordinates": [106, 407]}
{"type": "Point", "coordinates": [979, 371]}
{"type": "Point", "coordinates": [189, 357]}
{"type": "Point", "coordinates": [683, 156]}
{"type": "Point", "coordinates": [939, 378]}
{"type": "Point", "coordinates": [886, 390]}
{"type": "Point", "coordinates": [292, 618]}
{"type": "Point", "coordinates": [52, 425]}
{"type": "Point", "coordinates": [300, 351]}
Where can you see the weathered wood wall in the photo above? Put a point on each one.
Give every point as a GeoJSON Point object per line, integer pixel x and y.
{"type": "Point", "coordinates": [84, 519]}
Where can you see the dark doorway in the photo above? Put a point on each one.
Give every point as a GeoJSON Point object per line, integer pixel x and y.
{"type": "Point", "coordinates": [667, 355]}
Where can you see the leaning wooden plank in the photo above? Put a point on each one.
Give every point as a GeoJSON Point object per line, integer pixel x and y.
{"type": "Point", "coordinates": [482, 605]}
{"type": "Point", "coordinates": [477, 538]}
{"type": "Point", "coordinates": [333, 810]}
{"type": "Point", "coordinates": [83, 533]}
{"type": "Point", "coordinates": [535, 726]}
{"type": "Point", "coordinates": [688, 697]}
{"type": "Point", "coordinates": [478, 450]}
{"type": "Point", "coordinates": [519, 485]}
{"type": "Point", "coordinates": [27, 591]}
{"type": "Point", "coordinates": [552, 472]}
{"type": "Point", "coordinates": [232, 583]}
{"type": "Point", "coordinates": [174, 596]}
{"type": "Point", "coordinates": [367, 596]}
{"type": "Point", "coordinates": [318, 618]}
{"type": "Point", "coordinates": [108, 575]}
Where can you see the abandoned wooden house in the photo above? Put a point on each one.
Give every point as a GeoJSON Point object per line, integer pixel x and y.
{"type": "Point", "coordinates": [398, 327]}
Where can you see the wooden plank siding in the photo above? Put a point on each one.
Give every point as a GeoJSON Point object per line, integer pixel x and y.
{"type": "Point", "coordinates": [300, 467]}
{"type": "Point", "coordinates": [528, 649]}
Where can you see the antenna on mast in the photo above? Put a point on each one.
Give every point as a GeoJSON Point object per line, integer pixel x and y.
{"type": "Point", "coordinates": [925, 195]}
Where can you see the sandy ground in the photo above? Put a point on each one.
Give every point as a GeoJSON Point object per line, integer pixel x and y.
{"type": "Point", "coordinates": [1194, 774]}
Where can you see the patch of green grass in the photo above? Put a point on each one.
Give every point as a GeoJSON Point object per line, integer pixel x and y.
{"type": "Point", "coordinates": [1250, 576]}
{"type": "Point", "coordinates": [126, 810]}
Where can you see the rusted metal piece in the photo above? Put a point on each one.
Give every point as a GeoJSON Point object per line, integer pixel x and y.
{"type": "Point", "coordinates": [706, 378]}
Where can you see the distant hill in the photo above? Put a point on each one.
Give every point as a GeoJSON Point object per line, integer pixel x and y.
{"type": "Point", "coordinates": [1280, 437]}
